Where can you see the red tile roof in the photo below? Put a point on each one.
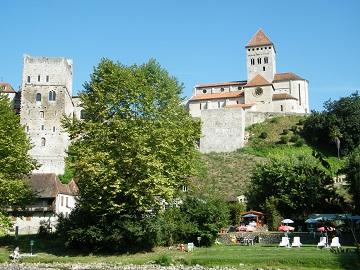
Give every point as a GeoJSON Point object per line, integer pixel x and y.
{"type": "Point", "coordinates": [258, 80]}
{"type": "Point", "coordinates": [243, 106]}
{"type": "Point", "coordinates": [218, 95]}
{"type": "Point", "coordinates": [221, 84]}
{"type": "Point", "coordinates": [282, 96]}
{"type": "Point", "coordinates": [286, 76]}
{"type": "Point", "coordinates": [259, 39]}
{"type": "Point", "coordinates": [6, 88]}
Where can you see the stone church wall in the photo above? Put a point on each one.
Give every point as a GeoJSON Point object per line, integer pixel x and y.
{"type": "Point", "coordinates": [222, 130]}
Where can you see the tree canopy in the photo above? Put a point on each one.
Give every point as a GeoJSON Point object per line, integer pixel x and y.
{"type": "Point", "coordinates": [352, 171]}
{"type": "Point", "coordinates": [136, 144]}
{"type": "Point", "coordinates": [296, 186]}
{"type": "Point", "coordinates": [15, 163]}
{"type": "Point", "coordinates": [337, 125]}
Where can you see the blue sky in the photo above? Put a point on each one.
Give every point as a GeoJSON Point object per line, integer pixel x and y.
{"type": "Point", "coordinates": [196, 41]}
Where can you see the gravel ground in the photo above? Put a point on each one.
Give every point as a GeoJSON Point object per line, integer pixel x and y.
{"type": "Point", "coordinates": [99, 266]}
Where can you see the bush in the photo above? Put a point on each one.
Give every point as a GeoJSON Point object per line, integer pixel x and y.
{"type": "Point", "coordinates": [285, 132]}
{"type": "Point", "coordinates": [294, 138]}
{"type": "Point", "coordinates": [86, 231]}
{"type": "Point", "coordinates": [164, 260]}
{"type": "Point", "coordinates": [300, 142]}
{"type": "Point", "coordinates": [284, 139]}
{"type": "Point", "coordinates": [294, 128]}
{"type": "Point", "coordinates": [274, 120]}
{"type": "Point", "coordinates": [263, 135]}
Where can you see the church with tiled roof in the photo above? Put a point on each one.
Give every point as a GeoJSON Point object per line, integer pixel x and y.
{"type": "Point", "coordinates": [265, 90]}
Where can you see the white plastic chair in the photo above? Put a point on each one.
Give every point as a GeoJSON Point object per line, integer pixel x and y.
{"type": "Point", "coordinates": [190, 247]}
{"type": "Point", "coordinates": [322, 242]}
{"type": "Point", "coordinates": [284, 242]}
{"type": "Point", "coordinates": [335, 242]}
{"type": "Point", "coordinates": [296, 242]}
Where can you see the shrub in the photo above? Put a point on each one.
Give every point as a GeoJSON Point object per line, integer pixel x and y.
{"type": "Point", "coordinates": [294, 138]}
{"type": "Point", "coordinates": [263, 135]}
{"type": "Point", "coordinates": [284, 139]}
{"type": "Point", "coordinates": [285, 132]}
{"type": "Point", "coordinates": [301, 122]}
{"type": "Point", "coordinates": [164, 260]}
{"type": "Point", "coordinates": [300, 142]}
{"type": "Point", "coordinates": [294, 128]}
{"type": "Point", "coordinates": [274, 120]}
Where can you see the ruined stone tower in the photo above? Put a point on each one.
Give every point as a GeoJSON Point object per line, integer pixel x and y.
{"type": "Point", "coordinates": [46, 95]}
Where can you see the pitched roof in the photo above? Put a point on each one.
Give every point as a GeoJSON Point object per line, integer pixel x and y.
{"type": "Point", "coordinates": [242, 106]}
{"type": "Point", "coordinates": [258, 80]}
{"type": "Point", "coordinates": [286, 76]}
{"type": "Point", "coordinates": [218, 95]}
{"type": "Point", "coordinates": [48, 185]}
{"type": "Point", "coordinates": [282, 96]}
{"type": "Point", "coordinates": [6, 88]}
{"type": "Point", "coordinates": [259, 39]}
{"type": "Point", "coordinates": [221, 84]}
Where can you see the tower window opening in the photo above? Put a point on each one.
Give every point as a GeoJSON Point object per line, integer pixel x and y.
{"type": "Point", "coordinates": [38, 78]}
{"type": "Point", "coordinates": [266, 60]}
{"type": "Point", "coordinates": [204, 91]}
{"type": "Point", "coordinates": [222, 89]}
{"type": "Point", "coordinates": [264, 68]}
{"type": "Point", "coordinates": [54, 129]}
{"type": "Point", "coordinates": [28, 79]}
{"type": "Point", "coordinates": [47, 78]}
{"type": "Point", "coordinates": [282, 108]}
{"type": "Point", "coordinates": [42, 127]}
{"type": "Point", "coordinates": [43, 141]}
{"type": "Point", "coordinates": [41, 114]}
{"type": "Point", "coordinates": [252, 61]}
{"type": "Point", "coordinates": [259, 61]}
{"type": "Point", "coordinates": [52, 95]}
{"type": "Point", "coordinates": [257, 49]}
{"type": "Point", "coordinates": [38, 97]}
{"type": "Point", "coordinates": [27, 128]}
{"type": "Point", "coordinates": [269, 48]}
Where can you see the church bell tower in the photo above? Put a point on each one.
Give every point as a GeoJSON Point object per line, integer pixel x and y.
{"type": "Point", "coordinates": [260, 57]}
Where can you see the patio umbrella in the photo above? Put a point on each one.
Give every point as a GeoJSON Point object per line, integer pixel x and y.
{"type": "Point", "coordinates": [284, 228]}
{"type": "Point", "coordinates": [287, 221]}
{"type": "Point", "coordinates": [249, 216]}
{"type": "Point", "coordinates": [311, 220]}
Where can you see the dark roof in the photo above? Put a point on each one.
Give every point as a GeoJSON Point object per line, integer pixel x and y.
{"type": "Point", "coordinates": [259, 39]}
{"type": "Point", "coordinates": [221, 84]}
{"type": "Point", "coordinates": [48, 185]}
{"type": "Point", "coordinates": [286, 76]}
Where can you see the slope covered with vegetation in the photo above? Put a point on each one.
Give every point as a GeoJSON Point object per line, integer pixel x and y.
{"type": "Point", "coordinates": [228, 174]}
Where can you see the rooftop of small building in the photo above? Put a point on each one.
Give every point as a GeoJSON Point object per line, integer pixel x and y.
{"type": "Point", "coordinates": [48, 185]}
{"type": "Point", "coordinates": [6, 88]}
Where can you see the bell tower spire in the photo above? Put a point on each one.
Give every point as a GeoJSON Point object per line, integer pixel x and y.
{"type": "Point", "coordinates": [260, 57]}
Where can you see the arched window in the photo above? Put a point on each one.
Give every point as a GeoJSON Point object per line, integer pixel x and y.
{"type": "Point", "coordinates": [52, 95]}
{"type": "Point", "coordinates": [43, 141]}
{"type": "Point", "coordinates": [38, 97]}
{"type": "Point", "coordinates": [259, 61]}
{"type": "Point", "coordinates": [266, 59]}
{"type": "Point", "coordinates": [252, 61]}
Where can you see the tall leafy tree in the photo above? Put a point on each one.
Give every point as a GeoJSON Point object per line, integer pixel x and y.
{"type": "Point", "coordinates": [15, 163]}
{"type": "Point", "coordinates": [352, 171]}
{"type": "Point", "coordinates": [137, 143]}
{"type": "Point", "coordinates": [296, 186]}
{"type": "Point", "coordinates": [338, 125]}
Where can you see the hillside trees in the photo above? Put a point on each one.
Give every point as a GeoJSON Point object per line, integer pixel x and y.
{"type": "Point", "coordinates": [337, 127]}
{"type": "Point", "coordinates": [294, 186]}
{"type": "Point", "coordinates": [15, 163]}
{"type": "Point", "coordinates": [137, 144]}
{"type": "Point", "coordinates": [352, 170]}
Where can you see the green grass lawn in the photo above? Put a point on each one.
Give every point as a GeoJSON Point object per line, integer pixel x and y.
{"type": "Point", "coordinates": [241, 257]}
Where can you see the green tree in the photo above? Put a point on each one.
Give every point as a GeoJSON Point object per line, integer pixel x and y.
{"type": "Point", "coordinates": [137, 143]}
{"type": "Point", "coordinates": [15, 163]}
{"type": "Point", "coordinates": [338, 122]}
{"type": "Point", "coordinates": [296, 186]}
{"type": "Point", "coordinates": [352, 171]}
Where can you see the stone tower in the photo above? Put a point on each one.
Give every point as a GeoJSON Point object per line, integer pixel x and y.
{"type": "Point", "coordinates": [45, 97]}
{"type": "Point", "coordinates": [260, 57]}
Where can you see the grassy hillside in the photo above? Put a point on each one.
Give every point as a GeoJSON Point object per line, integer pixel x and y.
{"type": "Point", "coordinates": [228, 173]}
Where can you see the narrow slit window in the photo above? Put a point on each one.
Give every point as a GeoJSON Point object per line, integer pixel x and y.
{"type": "Point", "coordinates": [43, 141]}
{"type": "Point", "coordinates": [266, 60]}
{"type": "Point", "coordinates": [38, 78]}
{"type": "Point", "coordinates": [41, 114]}
{"type": "Point", "coordinates": [38, 97]}
{"type": "Point", "coordinates": [47, 78]}
{"type": "Point", "coordinates": [28, 79]}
